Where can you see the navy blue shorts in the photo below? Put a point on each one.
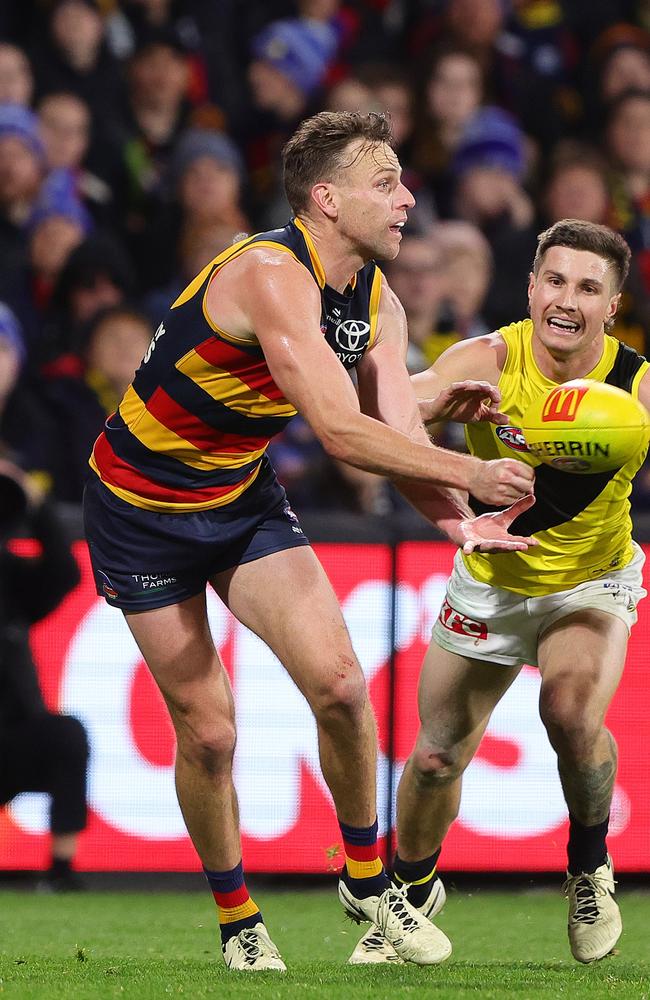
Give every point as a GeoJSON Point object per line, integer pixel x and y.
{"type": "Point", "coordinates": [143, 559]}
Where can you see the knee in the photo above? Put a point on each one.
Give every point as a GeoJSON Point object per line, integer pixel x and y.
{"type": "Point", "coordinates": [433, 765]}
{"type": "Point", "coordinates": [206, 741]}
{"type": "Point", "coordinates": [210, 748]}
{"type": "Point", "coordinates": [572, 719]}
{"type": "Point", "coordinates": [342, 696]}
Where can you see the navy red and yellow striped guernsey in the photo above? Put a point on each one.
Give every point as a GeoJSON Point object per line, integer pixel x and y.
{"type": "Point", "coordinates": [193, 426]}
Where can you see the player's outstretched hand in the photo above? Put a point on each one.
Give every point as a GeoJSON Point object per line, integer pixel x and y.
{"type": "Point", "coordinates": [489, 532]}
{"type": "Point", "coordinates": [465, 402]}
{"type": "Point", "coordinates": [501, 481]}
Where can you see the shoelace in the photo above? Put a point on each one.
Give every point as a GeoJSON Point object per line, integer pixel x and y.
{"type": "Point", "coordinates": [392, 903]}
{"type": "Point", "coordinates": [252, 946]}
{"type": "Point", "coordinates": [586, 888]}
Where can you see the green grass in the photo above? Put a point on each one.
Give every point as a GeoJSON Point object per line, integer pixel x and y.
{"type": "Point", "coordinates": [141, 946]}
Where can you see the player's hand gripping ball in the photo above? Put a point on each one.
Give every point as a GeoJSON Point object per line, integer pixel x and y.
{"type": "Point", "coordinates": [585, 426]}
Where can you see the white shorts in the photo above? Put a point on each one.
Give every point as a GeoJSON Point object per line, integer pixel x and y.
{"type": "Point", "coordinates": [489, 623]}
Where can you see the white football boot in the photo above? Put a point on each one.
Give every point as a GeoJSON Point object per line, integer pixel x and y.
{"type": "Point", "coordinates": [413, 937]}
{"type": "Point", "coordinates": [594, 917]}
{"type": "Point", "coordinates": [252, 951]}
{"type": "Point", "coordinates": [374, 949]}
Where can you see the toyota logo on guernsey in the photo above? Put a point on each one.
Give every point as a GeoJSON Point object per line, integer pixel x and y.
{"type": "Point", "coordinates": [351, 334]}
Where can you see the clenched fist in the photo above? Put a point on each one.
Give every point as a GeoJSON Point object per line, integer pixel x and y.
{"type": "Point", "coordinates": [501, 482]}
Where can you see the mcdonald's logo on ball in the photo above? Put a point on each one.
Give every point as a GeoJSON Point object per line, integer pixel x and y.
{"type": "Point", "coordinates": [562, 404]}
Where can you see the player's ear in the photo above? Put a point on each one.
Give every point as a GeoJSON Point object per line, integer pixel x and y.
{"type": "Point", "coordinates": [531, 285]}
{"type": "Point", "coordinates": [325, 198]}
{"type": "Point", "coordinates": [612, 307]}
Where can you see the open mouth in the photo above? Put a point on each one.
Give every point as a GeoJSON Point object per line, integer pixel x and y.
{"type": "Point", "coordinates": [397, 228]}
{"type": "Point", "coordinates": [563, 325]}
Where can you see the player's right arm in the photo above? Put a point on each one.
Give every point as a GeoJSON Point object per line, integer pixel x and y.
{"type": "Point", "coordinates": [475, 362]}
{"type": "Point", "coordinates": [270, 293]}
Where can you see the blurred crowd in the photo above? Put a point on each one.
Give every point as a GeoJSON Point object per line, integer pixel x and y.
{"type": "Point", "coordinates": [139, 138]}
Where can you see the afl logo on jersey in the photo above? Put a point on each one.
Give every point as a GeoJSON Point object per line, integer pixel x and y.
{"type": "Point", "coordinates": [351, 334]}
{"type": "Point", "coordinates": [512, 437]}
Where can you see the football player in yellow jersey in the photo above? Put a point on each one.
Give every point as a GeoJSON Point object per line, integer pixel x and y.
{"type": "Point", "coordinates": [566, 606]}
{"type": "Point", "coordinates": [168, 507]}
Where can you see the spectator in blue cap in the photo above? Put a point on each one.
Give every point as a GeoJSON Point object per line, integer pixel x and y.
{"type": "Point", "coordinates": [491, 139]}
{"type": "Point", "coordinates": [489, 165]}
{"type": "Point", "coordinates": [22, 167]}
{"type": "Point", "coordinates": [57, 224]}
{"type": "Point", "coordinates": [290, 61]}
{"type": "Point", "coordinates": [18, 121]}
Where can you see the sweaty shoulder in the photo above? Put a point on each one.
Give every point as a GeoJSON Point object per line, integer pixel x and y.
{"type": "Point", "coordinates": [261, 278]}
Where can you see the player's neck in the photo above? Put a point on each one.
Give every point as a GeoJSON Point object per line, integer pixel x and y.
{"type": "Point", "coordinates": [339, 259]}
{"type": "Point", "coordinates": [564, 368]}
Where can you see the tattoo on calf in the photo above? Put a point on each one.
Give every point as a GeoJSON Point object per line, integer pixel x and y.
{"type": "Point", "coordinates": [588, 788]}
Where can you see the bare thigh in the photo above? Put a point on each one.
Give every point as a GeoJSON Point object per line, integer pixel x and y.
{"type": "Point", "coordinates": [456, 696]}
{"type": "Point", "coordinates": [177, 646]}
{"type": "Point", "coordinates": [287, 600]}
{"type": "Point", "coordinates": [581, 659]}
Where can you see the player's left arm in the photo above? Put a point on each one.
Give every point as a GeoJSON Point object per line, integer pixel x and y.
{"type": "Point", "coordinates": [387, 394]}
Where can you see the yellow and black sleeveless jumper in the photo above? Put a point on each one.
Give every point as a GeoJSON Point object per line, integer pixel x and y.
{"type": "Point", "coordinates": [191, 431]}
{"type": "Point", "coordinates": [582, 522]}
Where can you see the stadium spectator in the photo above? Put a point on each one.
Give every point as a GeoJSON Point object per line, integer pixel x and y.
{"type": "Point", "coordinates": [56, 226]}
{"type": "Point", "coordinates": [22, 169]}
{"type": "Point", "coordinates": [203, 184]}
{"type": "Point", "coordinates": [24, 423]}
{"type": "Point", "coordinates": [159, 109]}
{"type": "Point", "coordinates": [65, 129]}
{"type": "Point", "coordinates": [40, 750]}
{"type": "Point", "coordinates": [349, 94]}
{"type": "Point", "coordinates": [70, 54]}
{"type": "Point", "coordinates": [453, 93]}
{"type": "Point", "coordinates": [97, 275]}
{"type": "Point", "coordinates": [489, 167]}
{"type": "Point", "coordinates": [16, 77]}
{"type": "Point", "coordinates": [418, 276]}
{"type": "Point", "coordinates": [469, 267]}
{"type": "Point", "coordinates": [289, 62]}
{"type": "Point", "coordinates": [116, 340]}
{"type": "Point", "coordinates": [627, 142]}
{"type": "Point", "coordinates": [618, 61]}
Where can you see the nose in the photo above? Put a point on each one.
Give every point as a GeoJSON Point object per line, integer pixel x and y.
{"type": "Point", "coordinates": [568, 299]}
{"type": "Point", "coordinates": [403, 197]}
